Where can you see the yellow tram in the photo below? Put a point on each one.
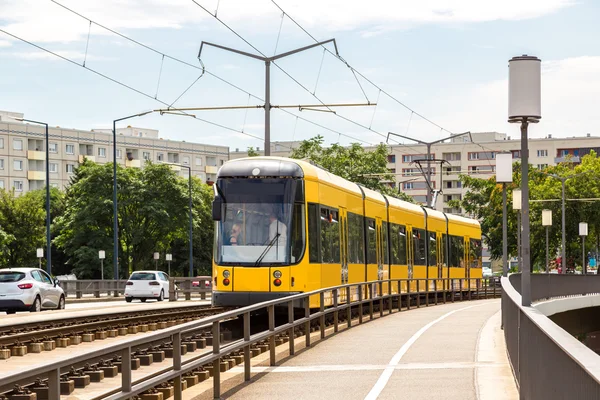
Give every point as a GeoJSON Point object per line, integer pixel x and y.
{"type": "Point", "coordinates": [285, 226]}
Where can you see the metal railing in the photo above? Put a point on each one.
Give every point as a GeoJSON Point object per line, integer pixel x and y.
{"type": "Point", "coordinates": [388, 294]}
{"type": "Point", "coordinates": [185, 287]}
{"type": "Point", "coordinates": [548, 362]}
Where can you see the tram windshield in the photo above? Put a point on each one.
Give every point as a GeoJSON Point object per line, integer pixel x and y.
{"type": "Point", "coordinates": [261, 223]}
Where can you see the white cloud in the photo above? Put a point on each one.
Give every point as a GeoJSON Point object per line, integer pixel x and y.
{"type": "Point", "coordinates": [48, 22]}
{"type": "Point", "coordinates": [42, 55]}
{"type": "Point", "coordinates": [570, 90]}
{"type": "Point", "coordinates": [5, 43]}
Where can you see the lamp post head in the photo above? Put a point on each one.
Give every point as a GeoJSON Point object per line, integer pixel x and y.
{"type": "Point", "coordinates": [504, 167]}
{"type": "Point", "coordinates": [516, 199]}
{"type": "Point", "coordinates": [524, 89]}
{"type": "Point", "coordinates": [546, 217]}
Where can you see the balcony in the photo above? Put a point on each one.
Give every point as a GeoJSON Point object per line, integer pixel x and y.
{"type": "Point", "coordinates": [209, 169]}
{"type": "Point", "coordinates": [133, 163]}
{"type": "Point", "coordinates": [36, 155]}
{"type": "Point", "coordinates": [36, 175]}
{"type": "Point", "coordinates": [89, 158]}
{"type": "Point", "coordinates": [569, 158]}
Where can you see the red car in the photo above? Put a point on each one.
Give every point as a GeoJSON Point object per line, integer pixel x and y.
{"type": "Point", "coordinates": [197, 283]}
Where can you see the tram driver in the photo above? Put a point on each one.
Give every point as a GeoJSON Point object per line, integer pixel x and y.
{"type": "Point", "coordinates": [277, 227]}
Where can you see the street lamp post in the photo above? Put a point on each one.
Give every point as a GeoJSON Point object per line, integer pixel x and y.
{"type": "Point", "coordinates": [191, 221]}
{"type": "Point", "coordinates": [156, 257]}
{"type": "Point", "coordinates": [504, 176]}
{"type": "Point", "coordinates": [517, 207]}
{"type": "Point", "coordinates": [524, 107]}
{"type": "Point", "coordinates": [583, 231]}
{"type": "Point", "coordinates": [48, 242]}
{"type": "Point", "coordinates": [101, 256]}
{"type": "Point", "coordinates": [169, 258]}
{"type": "Point", "coordinates": [547, 222]}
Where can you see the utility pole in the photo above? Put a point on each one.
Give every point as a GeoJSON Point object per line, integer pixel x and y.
{"type": "Point", "coordinates": [267, 61]}
{"type": "Point", "coordinates": [428, 144]}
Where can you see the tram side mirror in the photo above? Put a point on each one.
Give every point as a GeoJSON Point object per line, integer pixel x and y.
{"type": "Point", "coordinates": [217, 209]}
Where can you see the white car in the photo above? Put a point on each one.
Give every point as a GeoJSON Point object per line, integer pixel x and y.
{"type": "Point", "coordinates": [29, 289]}
{"type": "Point", "coordinates": [145, 285]}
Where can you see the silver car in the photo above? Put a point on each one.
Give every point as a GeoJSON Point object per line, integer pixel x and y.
{"type": "Point", "coordinates": [29, 289]}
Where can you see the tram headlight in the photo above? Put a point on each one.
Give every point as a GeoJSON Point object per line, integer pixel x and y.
{"type": "Point", "coordinates": [277, 274]}
{"type": "Point", "coordinates": [226, 274]}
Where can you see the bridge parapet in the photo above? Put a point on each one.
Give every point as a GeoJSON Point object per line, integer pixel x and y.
{"type": "Point", "coordinates": [548, 362]}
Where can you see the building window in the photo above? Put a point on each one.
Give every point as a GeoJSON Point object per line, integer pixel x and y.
{"type": "Point", "coordinates": [160, 157]}
{"type": "Point", "coordinates": [17, 144]}
{"type": "Point", "coordinates": [1, 143]}
{"type": "Point", "coordinates": [391, 158]}
{"type": "Point", "coordinates": [1, 184]}
{"type": "Point", "coordinates": [198, 161]}
{"type": "Point", "coordinates": [18, 165]}
{"type": "Point", "coordinates": [482, 155]}
{"type": "Point", "coordinates": [70, 168]}
{"type": "Point", "coordinates": [119, 154]}
{"type": "Point", "coordinates": [451, 156]}
{"type": "Point", "coordinates": [222, 162]}
{"type": "Point", "coordinates": [516, 153]}
{"type": "Point", "coordinates": [70, 149]}
{"type": "Point", "coordinates": [186, 160]}
{"type": "Point", "coordinates": [407, 186]}
{"type": "Point", "coordinates": [146, 155]}
{"type": "Point", "coordinates": [18, 186]}
{"type": "Point", "coordinates": [1, 163]}
{"type": "Point", "coordinates": [564, 153]}
{"type": "Point", "coordinates": [53, 148]}
{"type": "Point", "coordinates": [54, 168]}
{"type": "Point", "coordinates": [102, 152]}
{"type": "Point", "coordinates": [416, 157]}
{"type": "Point", "coordinates": [542, 153]}
{"type": "Point", "coordinates": [542, 166]}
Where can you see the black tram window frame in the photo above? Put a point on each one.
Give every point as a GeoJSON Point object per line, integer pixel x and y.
{"type": "Point", "coordinates": [356, 247]}
{"type": "Point", "coordinates": [385, 242]}
{"type": "Point", "coordinates": [371, 226]}
{"type": "Point", "coordinates": [432, 249]}
{"type": "Point", "coordinates": [333, 214]}
{"type": "Point", "coordinates": [399, 252]}
{"type": "Point", "coordinates": [314, 234]}
{"type": "Point", "coordinates": [419, 244]}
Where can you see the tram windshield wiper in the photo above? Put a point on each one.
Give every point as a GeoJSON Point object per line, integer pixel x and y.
{"type": "Point", "coordinates": [266, 250]}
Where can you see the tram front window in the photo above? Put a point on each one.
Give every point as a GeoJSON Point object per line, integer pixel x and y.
{"type": "Point", "coordinates": [257, 223]}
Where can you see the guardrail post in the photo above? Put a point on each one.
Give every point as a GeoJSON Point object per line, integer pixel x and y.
{"type": "Point", "coordinates": [435, 290]}
{"type": "Point", "coordinates": [247, 347]}
{"type": "Point", "coordinates": [126, 370]}
{"type": "Point", "coordinates": [408, 294]}
{"type": "Point", "coordinates": [271, 311]}
{"type": "Point", "coordinates": [172, 290]}
{"type": "Point", "coordinates": [307, 323]}
{"type": "Point", "coordinates": [427, 283]}
{"type": "Point", "coordinates": [322, 317]}
{"type": "Point", "coordinates": [187, 284]}
{"type": "Point", "coordinates": [469, 287]}
{"type": "Point", "coordinates": [216, 340]}
{"type": "Point", "coordinates": [348, 303]}
{"type": "Point", "coordinates": [97, 289]}
{"type": "Point", "coordinates": [54, 384]}
{"type": "Point", "coordinates": [418, 294]}
{"type": "Point", "coordinates": [78, 289]}
{"type": "Point", "coordinates": [360, 304]}
{"type": "Point", "coordinates": [291, 330]}
{"type": "Point", "coordinates": [452, 282]}
{"type": "Point", "coordinates": [485, 288]}
{"type": "Point", "coordinates": [370, 290]}
{"type": "Point", "coordinates": [117, 288]}
{"type": "Point", "coordinates": [380, 287]}
{"type": "Point", "coordinates": [335, 310]}
{"type": "Point", "coordinates": [202, 284]}
{"type": "Point", "coordinates": [390, 301]}
{"type": "Point", "coordinates": [445, 289]}
{"type": "Point", "coordinates": [494, 290]}
{"type": "Point", "coordinates": [399, 296]}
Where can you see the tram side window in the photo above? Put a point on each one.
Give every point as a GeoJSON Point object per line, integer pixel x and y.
{"type": "Point", "coordinates": [386, 253]}
{"type": "Point", "coordinates": [457, 251]}
{"type": "Point", "coordinates": [398, 243]}
{"type": "Point", "coordinates": [356, 239]}
{"type": "Point", "coordinates": [475, 252]}
{"type": "Point", "coordinates": [330, 236]}
{"type": "Point", "coordinates": [432, 248]}
{"type": "Point", "coordinates": [371, 242]}
{"type": "Point", "coordinates": [297, 236]}
{"type": "Point", "coordinates": [313, 234]}
{"type": "Point", "coordinates": [419, 246]}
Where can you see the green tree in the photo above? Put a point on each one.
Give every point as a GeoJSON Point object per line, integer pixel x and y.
{"type": "Point", "coordinates": [252, 152]}
{"type": "Point", "coordinates": [23, 224]}
{"type": "Point", "coordinates": [354, 163]}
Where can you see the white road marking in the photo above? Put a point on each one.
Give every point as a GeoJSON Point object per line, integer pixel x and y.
{"type": "Point", "coordinates": [387, 372]}
{"type": "Point", "coordinates": [368, 367]}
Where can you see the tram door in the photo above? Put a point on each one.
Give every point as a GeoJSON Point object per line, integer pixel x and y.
{"type": "Point", "coordinates": [409, 251]}
{"type": "Point", "coordinates": [440, 255]}
{"type": "Point", "coordinates": [466, 262]}
{"type": "Point", "coordinates": [344, 245]}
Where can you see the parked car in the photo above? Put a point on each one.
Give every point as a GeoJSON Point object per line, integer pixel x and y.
{"type": "Point", "coordinates": [29, 289]}
{"type": "Point", "coordinates": [145, 285]}
{"type": "Point", "coordinates": [197, 283]}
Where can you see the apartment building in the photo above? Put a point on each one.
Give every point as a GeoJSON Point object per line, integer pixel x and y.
{"type": "Point", "coordinates": [473, 155]}
{"type": "Point", "coordinates": [23, 152]}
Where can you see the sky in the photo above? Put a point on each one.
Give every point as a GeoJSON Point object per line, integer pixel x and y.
{"type": "Point", "coordinates": [431, 66]}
